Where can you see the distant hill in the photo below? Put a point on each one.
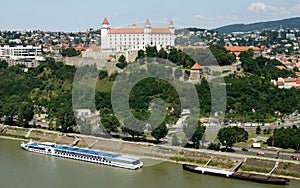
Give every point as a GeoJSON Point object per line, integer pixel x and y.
{"type": "Point", "coordinates": [285, 23]}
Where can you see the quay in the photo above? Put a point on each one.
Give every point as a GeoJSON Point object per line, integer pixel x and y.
{"type": "Point", "coordinates": [233, 173]}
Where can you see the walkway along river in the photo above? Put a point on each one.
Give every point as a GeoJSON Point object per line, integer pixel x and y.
{"type": "Point", "coordinates": [21, 169]}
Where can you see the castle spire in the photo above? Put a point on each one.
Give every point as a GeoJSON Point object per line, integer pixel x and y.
{"type": "Point", "coordinates": [133, 25]}
{"type": "Point", "coordinates": [105, 21]}
{"type": "Point", "coordinates": [147, 22]}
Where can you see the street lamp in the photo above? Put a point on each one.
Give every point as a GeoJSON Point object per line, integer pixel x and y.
{"type": "Point", "coordinates": [297, 151]}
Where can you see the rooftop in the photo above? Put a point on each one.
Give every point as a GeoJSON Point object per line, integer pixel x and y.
{"type": "Point", "coordinates": [241, 48]}
{"type": "Point", "coordinates": [87, 151]}
{"type": "Point", "coordinates": [196, 67]}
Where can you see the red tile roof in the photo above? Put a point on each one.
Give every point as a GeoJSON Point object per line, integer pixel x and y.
{"type": "Point", "coordinates": [241, 48]}
{"type": "Point", "coordinates": [161, 30]}
{"type": "Point", "coordinates": [171, 23]}
{"type": "Point", "coordinates": [196, 67]}
{"type": "Point", "coordinates": [126, 31]}
{"type": "Point", "coordinates": [138, 31]}
{"type": "Point", "coordinates": [193, 47]}
{"type": "Point", "coordinates": [290, 80]}
{"type": "Point", "coordinates": [281, 67]}
{"type": "Point", "coordinates": [298, 81]}
{"type": "Point", "coordinates": [80, 48]}
{"type": "Point", "coordinates": [280, 83]}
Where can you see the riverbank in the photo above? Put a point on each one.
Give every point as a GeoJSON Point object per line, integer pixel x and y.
{"type": "Point", "coordinates": [286, 169]}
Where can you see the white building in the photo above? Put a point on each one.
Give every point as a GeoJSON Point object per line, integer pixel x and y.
{"type": "Point", "coordinates": [126, 39]}
{"type": "Point", "coordinates": [27, 55]}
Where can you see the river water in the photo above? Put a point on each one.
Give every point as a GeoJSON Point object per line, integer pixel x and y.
{"type": "Point", "coordinates": [22, 169]}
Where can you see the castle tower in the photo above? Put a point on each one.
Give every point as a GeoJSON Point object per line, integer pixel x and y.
{"type": "Point", "coordinates": [133, 25]}
{"type": "Point", "coordinates": [147, 29]}
{"type": "Point", "coordinates": [171, 27]}
{"type": "Point", "coordinates": [196, 73]}
{"type": "Point", "coordinates": [147, 33]}
{"type": "Point", "coordinates": [105, 26]}
{"type": "Point", "coordinates": [104, 31]}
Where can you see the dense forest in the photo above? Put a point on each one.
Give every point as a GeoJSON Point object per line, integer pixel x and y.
{"type": "Point", "coordinates": [251, 97]}
{"type": "Point", "coordinates": [285, 138]}
{"type": "Point", "coordinates": [270, 25]}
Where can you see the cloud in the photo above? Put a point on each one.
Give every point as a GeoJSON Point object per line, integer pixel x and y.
{"type": "Point", "coordinates": [260, 7]}
{"type": "Point", "coordinates": [296, 8]}
{"type": "Point", "coordinates": [201, 17]}
{"type": "Point", "coordinates": [257, 7]}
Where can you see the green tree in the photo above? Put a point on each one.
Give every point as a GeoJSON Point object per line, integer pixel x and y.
{"type": "Point", "coordinates": [122, 59]}
{"type": "Point", "coordinates": [3, 65]}
{"type": "Point", "coordinates": [25, 114]}
{"type": "Point", "coordinates": [66, 119]}
{"type": "Point", "coordinates": [198, 135]}
{"type": "Point", "coordinates": [151, 51]}
{"type": "Point", "coordinates": [214, 146]}
{"type": "Point", "coordinates": [194, 132]}
{"type": "Point", "coordinates": [178, 73]}
{"type": "Point", "coordinates": [133, 127]}
{"type": "Point", "coordinates": [160, 132]}
{"type": "Point", "coordinates": [175, 141]}
{"type": "Point", "coordinates": [70, 52]}
{"type": "Point", "coordinates": [265, 131]}
{"type": "Point", "coordinates": [223, 56]}
{"type": "Point", "coordinates": [103, 74]}
{"type": "Point", "coordinates": [141, 54]}
{"type": "Point", "coordinates": [110, 123]}
{"type": "Point", "coordinates": [50, 125]}
{"type": "Point", "coordinates": [227, 136]}
{"type": "Point", "coordinates": [258, 130]}
{"type": "Point", "coordinates": [162, 53]}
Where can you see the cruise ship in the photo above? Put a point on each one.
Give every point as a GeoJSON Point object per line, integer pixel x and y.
{"type": "Point", "coordinates": [87, 155]}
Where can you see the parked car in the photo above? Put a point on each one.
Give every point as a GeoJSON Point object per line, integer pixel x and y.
{"type": "Point", "coordinates": [260, 153]}
{"type": "Point", "coordinates": [294, 157]}
{"type": "Point", "coordinates": [227, 150]}
{"type": "Point", "coordinates": [244, 149]}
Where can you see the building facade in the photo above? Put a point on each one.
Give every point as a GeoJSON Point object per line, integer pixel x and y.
{"type": "Point", "coordinates": [128, 39]}
{"type": "Point", "coordinates": [29, 55]}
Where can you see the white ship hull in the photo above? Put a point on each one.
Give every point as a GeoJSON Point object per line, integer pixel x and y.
{"type": "Point", "coordinates": [81, 154]}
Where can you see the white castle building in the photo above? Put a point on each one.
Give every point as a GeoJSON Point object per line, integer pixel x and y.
{"type": "Point", "coordinates": [127, 39]}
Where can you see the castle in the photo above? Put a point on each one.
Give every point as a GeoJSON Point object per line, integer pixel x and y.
{"type": "Point", "coordinates": [134, 39]}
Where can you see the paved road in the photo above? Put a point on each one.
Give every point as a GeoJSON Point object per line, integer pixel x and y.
{"type": "Point", "coordinates": [273, 153]}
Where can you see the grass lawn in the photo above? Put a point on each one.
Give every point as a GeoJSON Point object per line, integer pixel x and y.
{"type": "Point", "coordinates": [211, 136]}
{"type": "Point", "coordinates": [104, 85]}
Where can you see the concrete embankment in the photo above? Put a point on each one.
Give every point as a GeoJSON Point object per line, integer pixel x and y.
{"type": "Point", "coordinates": [221, 160]}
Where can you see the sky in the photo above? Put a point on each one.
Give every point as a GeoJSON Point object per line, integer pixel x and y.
{"type": "Point", "coordinates": [78, 15]}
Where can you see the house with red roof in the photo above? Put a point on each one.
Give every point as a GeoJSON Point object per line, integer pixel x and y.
{"type": "Point", "coordinates": [238, 49]}
{"type": "Point", "coordinates": [287, 83]}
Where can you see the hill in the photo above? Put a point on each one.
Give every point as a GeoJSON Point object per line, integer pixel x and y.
{"type": "Point", "coordinates": [260, 26]}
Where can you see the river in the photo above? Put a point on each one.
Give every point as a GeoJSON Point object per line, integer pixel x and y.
{"type": "Point", "coordinates": [22, 169]}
